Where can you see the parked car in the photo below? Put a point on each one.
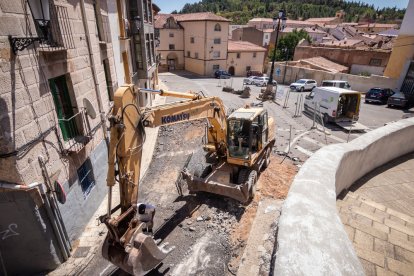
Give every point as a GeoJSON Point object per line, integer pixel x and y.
{"type": "Point", "coordinates": [262, 81]}
{"type": "Point", "coordinates": [250, 80]}
{"type": "Point", "coordinates": [336, 83]}
{"type": "Point", "coordinates": [222, 74]}
{"type": "Point", "coordinates": [303, 84]}
{"type": "Point", "coordinates": [378, 95]}
{"type": "Point", "coordinates": [400, 99]}
{"type": "Point", "coordinates": [254, 73]}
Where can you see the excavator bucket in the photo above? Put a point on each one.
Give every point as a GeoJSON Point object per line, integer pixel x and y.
{"type": "Point", "coordinates": [139, 257]}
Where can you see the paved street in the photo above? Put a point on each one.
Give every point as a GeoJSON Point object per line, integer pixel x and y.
{"type": "Point", "coordinates": [304, 140]}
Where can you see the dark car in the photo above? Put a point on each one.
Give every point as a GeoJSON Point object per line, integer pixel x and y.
{"type": "Point", "coordinates": [401, 100]}
{"type": "Point", "coordinates": [254, 73]}
{"type": "Point", "coordinates": [378, 95]}
{"type": "Point", "coordinates": [221, 74]}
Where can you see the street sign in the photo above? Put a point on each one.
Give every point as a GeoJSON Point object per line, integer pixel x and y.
{"type": "Point", "coordinates": [278, 72]}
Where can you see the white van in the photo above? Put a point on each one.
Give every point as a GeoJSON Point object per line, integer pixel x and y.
{"type": "Point", "coordinates": [336, 104]}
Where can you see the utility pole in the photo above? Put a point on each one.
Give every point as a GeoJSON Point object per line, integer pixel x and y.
{"type": "Point", "coordinates": [276, 23]}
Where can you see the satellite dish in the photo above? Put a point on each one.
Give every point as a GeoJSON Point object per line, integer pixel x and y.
{"type": "Point", "coordinates": [90, 110]}
{"type": "Point", "coordinates": [59, 192]}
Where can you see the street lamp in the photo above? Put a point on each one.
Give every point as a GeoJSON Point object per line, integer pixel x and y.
{"type": "Point", "coordinates": [40, 10]}
{"type": "Point", "coordinates": [276, 23]}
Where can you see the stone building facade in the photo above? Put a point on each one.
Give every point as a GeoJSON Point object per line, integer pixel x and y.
{"type": "Point", "coordinates": [133, 41]}
{"type": "Point", "coordinates": [54, 98]}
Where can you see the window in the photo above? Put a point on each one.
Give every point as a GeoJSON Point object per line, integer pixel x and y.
{"type": "Point", "coordinates": [188, 54]}
{"type": "Point", "coordinates": [98, 18]}
{"type": "Point", "coordinates": [216, 67]}
{"type": "Point", "coordinates": [266, 36]}
{"type": "Point", "coordinates": [86, 177]}
{"type": "Point", "coordinates": [171, 34]}
{"type": "Point", "coordinates": [192, 40]}
{"type": "Point", "coordinates": [217, 41]}
{"type": "Point", "coordinates": [216, 54]}
{"type": "Point", "coordinates": [108, 79]}
{"type": "Point", "coordinates": [217, 28]}
{"type": "Point", "coordinates": [248, 68]}
{"type": "Point", "coordinates": [171, 46]}
{"type": "Point", "coordinates": [254, 54]}
{"type": "Point", "coordinates": [375, 62]}
{"type": "Point", "coordinates": [238, 55]}
{"type": "Point", "coordinates": [196, 55]}
{"type": "Point", "coordinates": [138, 51]}
{"type": "Point", "coordinates": [65, 108]}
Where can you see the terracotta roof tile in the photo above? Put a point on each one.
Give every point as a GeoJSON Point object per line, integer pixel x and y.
{"type": "Point", "coordinates": [321, 19]}
{"type": "Point", "coordinates": [243, 46]}
{"type": "Point", "coordinates": [325, 63]}
{"type": "Point", "coordinates": [161, 18]}
{"type": "Point", "coordinates": [200, 16]}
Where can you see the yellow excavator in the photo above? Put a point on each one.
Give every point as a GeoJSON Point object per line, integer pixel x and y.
{"type": "Point", "coordinates": [237, 147]}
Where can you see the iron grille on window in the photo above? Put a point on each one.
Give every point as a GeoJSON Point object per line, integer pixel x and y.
{"type": "Point", "coordinates": [86, 177]}
{"type": "Point", "coordinates": [60, 35]}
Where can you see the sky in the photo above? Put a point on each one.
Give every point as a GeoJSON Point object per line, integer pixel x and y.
{"type": "Point", "coordinates": [168, 6]}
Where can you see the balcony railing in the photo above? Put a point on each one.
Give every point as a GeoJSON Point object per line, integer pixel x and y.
{"type": "Point", "coordinates": [76, 131]}
{"type": "Point", "coordinates": [60, 36]}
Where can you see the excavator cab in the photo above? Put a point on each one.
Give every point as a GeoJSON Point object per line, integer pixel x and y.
{"type": "Point", "coordinates": [248, 133]}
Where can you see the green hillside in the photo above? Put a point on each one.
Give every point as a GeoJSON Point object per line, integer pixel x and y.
{"type": "Point", "coordinates": [241, 11]}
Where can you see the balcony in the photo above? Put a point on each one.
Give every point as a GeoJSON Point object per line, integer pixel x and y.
{"type": "Point", "coordinates": [60, 32]}
{"type": "Point", "coordinates": [76, 132]}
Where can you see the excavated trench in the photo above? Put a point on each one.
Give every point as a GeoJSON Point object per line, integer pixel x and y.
{"type": "Point", "coordinates": [209, 231]}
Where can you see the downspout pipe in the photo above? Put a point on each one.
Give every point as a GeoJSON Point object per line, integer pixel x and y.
{"type": "Point", "coordinates": [95, 78]}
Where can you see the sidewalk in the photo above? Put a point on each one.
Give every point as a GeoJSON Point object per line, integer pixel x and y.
{"type": "Point", "coordinates": [89, 243]}
{"type": "Point", "coordinates": [377, 214]}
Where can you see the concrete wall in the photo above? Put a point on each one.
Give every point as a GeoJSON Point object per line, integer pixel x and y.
{"type": "Point", "coordinates": [246, 59]}
{"type": "Point", "coordinates": [357, 69]}
{"type": "Point", "coordinates": [344, 56]}
{"type": "Point", "coordinates": [403, 47]}
{"type": "Point", "coordinates": [311, 237]}
{"type": "Point", "coordinates": [358, 83]}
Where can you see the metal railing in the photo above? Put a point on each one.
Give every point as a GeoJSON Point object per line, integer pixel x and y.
{"type": "Point", "coordinates": [60, 36]}
{"type": "Point", "coordinates": [76, 131]}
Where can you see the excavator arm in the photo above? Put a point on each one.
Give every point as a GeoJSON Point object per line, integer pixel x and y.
{"type": "Point", "coordinates": [126, 245]}
{"type": "Point", "coordinates": [197, 107]}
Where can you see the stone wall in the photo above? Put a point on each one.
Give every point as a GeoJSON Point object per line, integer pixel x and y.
{"type": "Point", "coordinates": [358, 83]}
{"type": "Point", "coordinates": [311, 237]}
{"type": "Point", "coordinates": [344, 56]}
{"type": "Point", "coordinates": [28, 118]}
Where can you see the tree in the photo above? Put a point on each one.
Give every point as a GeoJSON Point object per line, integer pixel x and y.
{"type": "Point", "coordinates": [288, 42]}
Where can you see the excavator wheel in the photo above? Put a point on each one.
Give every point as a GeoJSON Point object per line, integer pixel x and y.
{"type": "Point", "coordinates": [249, 176]}
{"type": "Point", "coordinates": [252, 183]}
{"type": "Point", "coordinates": [267, 159]}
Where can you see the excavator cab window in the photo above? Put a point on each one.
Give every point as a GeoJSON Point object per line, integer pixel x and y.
{"type": "Point", "coordinates": [239, 137]}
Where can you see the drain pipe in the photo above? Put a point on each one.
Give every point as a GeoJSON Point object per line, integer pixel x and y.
{"type": "Point", "coordinates": [95, 78]}
{"type": "Point", "coordinates": [53, 213]}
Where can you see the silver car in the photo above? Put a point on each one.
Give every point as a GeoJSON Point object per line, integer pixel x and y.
{"type": "Point", "coordinates": [262, 81]}
{"type": "Point", "coordinates": [250, 80]}
{"type": "Point", "coordinates": [303, 84]}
